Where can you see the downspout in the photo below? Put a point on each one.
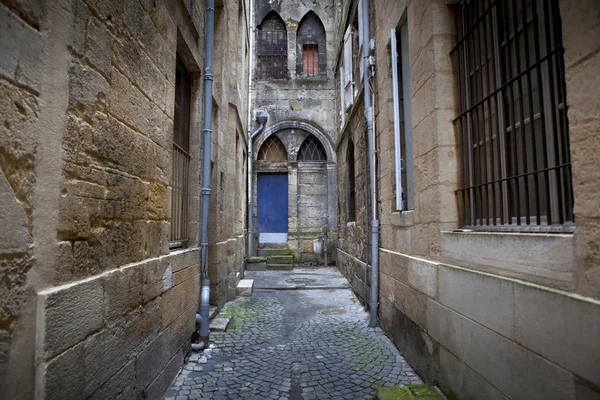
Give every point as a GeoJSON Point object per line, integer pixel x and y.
{"type": "Point", "coordinates": [250, 29]}
{"type": "Point", "coordinates": [372, 174]}
{"type": "Point", "coordinates": [261, 118]}
{"type": "Point", "coordinates": [203, 317]}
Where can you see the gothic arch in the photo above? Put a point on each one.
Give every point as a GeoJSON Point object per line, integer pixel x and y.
{"type": "Point", "coordinates": [272, 150]}
{"type": "Point", "coordinates": [271, 50]}
{"type": "Point", "coordinates": [311, 150]}
{"type": "Point", "coordinates": [307, 126]}
{"type": "Point", "coordinates": [311, 47]}
{"type": "Point", "coordinates": [272, 21]}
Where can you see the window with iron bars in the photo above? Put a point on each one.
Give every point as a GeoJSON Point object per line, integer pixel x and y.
{"type": "Point", "coordinates": [513, 128]}
{"type": "Point", "coordinates": [271, 49]}
{"type": "Point", "coordinates": [180, 180]}
{"type": "Point", "coordinates": [310, 59]}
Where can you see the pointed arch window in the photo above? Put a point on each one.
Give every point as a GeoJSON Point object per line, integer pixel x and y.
{"type": "Point", "coordinates": [310, 38]}
{"type": "Point", "coordinates": [271, 48]}
{"type": "Point", "coordinates": [312, 150]}
{"type": "Point", "coordinates": [272, 150]}
{"type": "Point", "coordinates": [351, 203]}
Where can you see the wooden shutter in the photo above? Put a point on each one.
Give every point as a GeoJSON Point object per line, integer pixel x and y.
{"type": "Point", "coordinates": [348, 90]}
{"type": "Point", "coordinates": [361, 24]}
{"type": "Point", "coordinates": [342, 103]}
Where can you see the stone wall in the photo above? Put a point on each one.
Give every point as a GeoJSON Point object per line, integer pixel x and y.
{"type": "Point", "coordinates": [307, 101]}
{"type": "Point", "coordinates": [94, 303]}
{"type": "Point", "coordinates": [227, 205]}
{"type": "Point", "coordinates": [311, 188]}
{"type": "Point", "coordinates": [483, 314]}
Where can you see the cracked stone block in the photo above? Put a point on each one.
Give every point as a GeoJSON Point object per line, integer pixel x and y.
{"type": "Point", "coordinates": [244, 287]}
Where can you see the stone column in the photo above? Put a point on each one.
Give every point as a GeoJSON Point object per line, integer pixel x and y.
{"type": "Point", "coordinates": [291, 46]}
{"type": "Point", "coordinates": [293, 206]}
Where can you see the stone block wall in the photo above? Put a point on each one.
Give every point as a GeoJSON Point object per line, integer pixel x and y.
{"type": "Point", "coordinates": [120, 334]}
{"type": "Point", "coordinates": [352, 234]}
{"type": "Point", "coordinates": [297, 98]}
{"type": "Point", "coordinates": [298, 106]}
{"type": "Point", "coordinates": [482, 314]}
{"type": "Point", "coordinates": [94, 303]}
{"type": "Point", "coordinates": [226, 253]}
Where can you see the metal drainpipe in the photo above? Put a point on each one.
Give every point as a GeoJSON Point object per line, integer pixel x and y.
{"type": "Point", "coordinates": [372, 173]}
{"type": "Point", "coordinates": [261, 118]}
{"type": "Point", "coordinates": [203, 317]}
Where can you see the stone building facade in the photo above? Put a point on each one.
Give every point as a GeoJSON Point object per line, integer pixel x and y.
{"type": "Point", "coordinates": [484, 309]}
{"type": "Point", "coordinates": [101, 104]}
{"type": "Point", "coordinates": [293, 81]}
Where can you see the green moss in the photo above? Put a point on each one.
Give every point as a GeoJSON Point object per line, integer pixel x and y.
{"type": "Point", "coordinates": [424, 392]}
{"type": "Point", "coordinates": [395, 393]}
{"type": "Point", "coordinates": [412, 392]}
{"type": "Point", "coordinates": [309, 235]}
{"type": "Point", "coordinates": [257, 259]}
{"type": "Point", "coordinates": [277, 252]}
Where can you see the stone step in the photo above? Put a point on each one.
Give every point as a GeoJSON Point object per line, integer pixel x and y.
{"type": "Point", "coordinates": [280, 260]}
{"type": "Point", "coordinates": [274, 252]}
{"type": "Point", "coordinates": [218, 324]}
{"type": "Point", "coordinates": [244, 287]}
{"type": "Point", "coordinates": [280, 267]}
{"type": "Point", "coordinates": [261, 266]}
{"type": "Point", "coordinates": [273, 246]}
{"type": "Point", "coordinates": [256, 264]}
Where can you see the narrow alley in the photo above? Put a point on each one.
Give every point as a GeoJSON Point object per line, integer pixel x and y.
{"type": "Point", "coordinates": [300, 199]}
{"type": "Point", "coordinates": [301, 335]}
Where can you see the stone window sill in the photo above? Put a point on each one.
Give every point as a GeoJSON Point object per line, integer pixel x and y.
{"type": "Point", "coordinates": [546, 259]}
{"type": "Point", "coordinates": [403, 218]}
{"type": "Point", "coordinates": [318, 79]}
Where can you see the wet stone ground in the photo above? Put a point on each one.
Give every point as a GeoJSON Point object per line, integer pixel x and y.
{"type": "Point", "coordinates": [302, 335]}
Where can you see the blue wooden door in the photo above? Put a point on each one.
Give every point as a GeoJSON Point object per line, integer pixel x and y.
{"type": "Point", "coordinates": [272, 208]}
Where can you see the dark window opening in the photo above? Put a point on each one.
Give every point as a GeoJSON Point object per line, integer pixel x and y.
{"type": "Point", "coordinates": [351, 212]}
{"type": "Point", "coordinates": [312, 150]}
{"type": "Point", "coordinates": [180, 180]}
{"type": "Point", "coordinates": [513, 128]}
{"type": "Point", "coordinates": [271, 49]}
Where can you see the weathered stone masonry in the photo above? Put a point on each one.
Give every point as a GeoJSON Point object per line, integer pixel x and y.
{"type": "Point", "coordinates": [483, 314]}
{"type": "Point", "coordinates": [94, 303]}
{"type": "Point", "coordinates": [298, 106]}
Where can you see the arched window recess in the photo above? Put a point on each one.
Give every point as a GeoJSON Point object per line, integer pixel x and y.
{"type": "Point", "coordinates": [271, 50]}
{"type": "Point", "coordinates": [311, 58]}
{"type": "Point", "coordinates": [312, 150]}
{"type": "Point", "coordinates": [272, 150]}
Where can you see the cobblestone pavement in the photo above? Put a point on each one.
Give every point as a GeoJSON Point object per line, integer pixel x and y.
{"type": "Point", "coordinates": [294, 342]}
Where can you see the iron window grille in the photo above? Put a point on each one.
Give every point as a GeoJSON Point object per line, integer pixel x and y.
{"type": "Point", "coordinates": [272, 56]}
{"type": "Point", "coordinates": [310, 60]}
{"type": "Point", "coordinates": [311, 150]}
{"type": "Point", "coordinates": [180, 180]}
{"type": "Point", "coordinates": [512, 126]}
{"type": "Point", "coordinates": [272, 150]}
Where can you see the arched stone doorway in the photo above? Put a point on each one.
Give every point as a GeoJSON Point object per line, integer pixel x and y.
{"type": "Point", "coordinates": [308, 168]}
